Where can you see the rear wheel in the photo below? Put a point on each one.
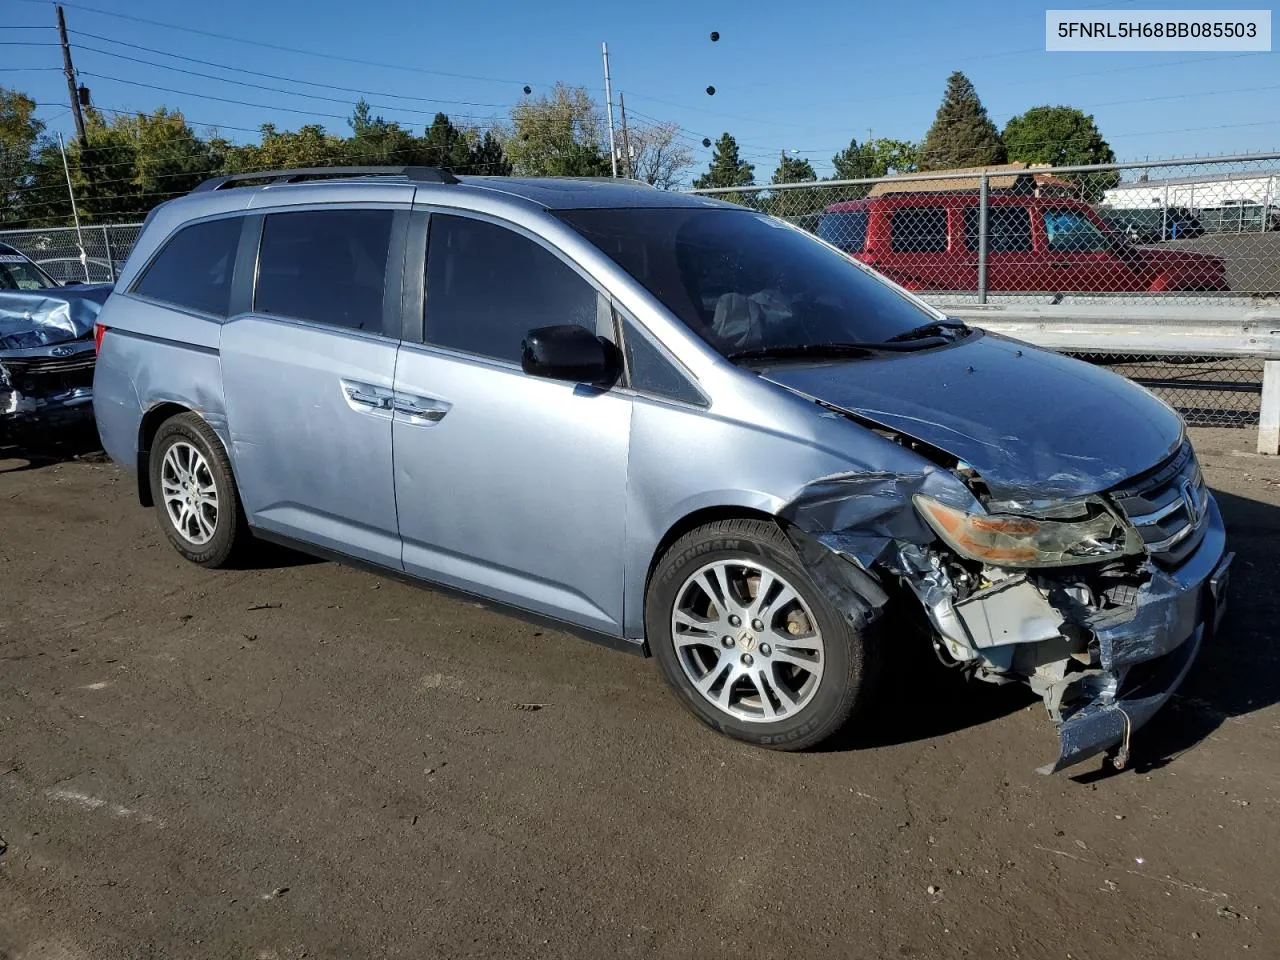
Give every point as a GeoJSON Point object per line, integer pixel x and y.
{"type": "Point", "coordinates": [195, 493]}
{"type": "Point", "coordinates": [749, 643]}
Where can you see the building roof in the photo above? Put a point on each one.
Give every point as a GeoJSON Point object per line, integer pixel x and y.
{"type": "Point", "coordinates": [1007, 176]}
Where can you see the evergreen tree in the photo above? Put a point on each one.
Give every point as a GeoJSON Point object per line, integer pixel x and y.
{"type": "Point", "coordinates": [488, 158]}
{"type": "Point", "coordinates": [962, 134]}
{"type": "Point", "coordinates": [446, 146]}
{"type": "Point", "coordinates": [1062, 136]}
{"type": "Point", "coordinates": [793, 170]}
{"type": "Point", "coordinates": [727, 168]}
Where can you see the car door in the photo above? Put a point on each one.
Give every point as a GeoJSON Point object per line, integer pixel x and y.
{"type": "Point", "coordinates": [308, 371]}
{"type": "Point", "coordinates": [920, 254]}
{"type": "Point", "coordinates": [1079, 255]}
{"type": "Point", "coordinates": [509, 486]}
{"type": "Point", "coordinates": [1011, 260]}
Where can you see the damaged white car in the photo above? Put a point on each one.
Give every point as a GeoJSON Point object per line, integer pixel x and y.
{"type": "Point", "coordinates": [673, 424]}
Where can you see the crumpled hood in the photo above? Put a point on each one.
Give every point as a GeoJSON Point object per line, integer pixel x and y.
{"type": "Point", "coordinates": [38, 318]}
{"type": "Point", "coordinates": [1034, 424]}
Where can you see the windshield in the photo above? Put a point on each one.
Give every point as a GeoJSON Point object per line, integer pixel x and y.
{"type": "Point", "coordinates": [19, 273]}
{"type": "Point", "coordinates": [745, 282]}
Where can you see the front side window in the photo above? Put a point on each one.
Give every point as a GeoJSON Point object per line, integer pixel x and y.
{"type": "Point", "coordinates": [918, 230]}
{"type": "Point", "coordinates": [194, 268]}
{"type": "Point", "coordinates": [488, 286]}
{"type": "Point", "coordinates": [325, 266]}
{"type": "Point", "coordinates": [19, 273]}
{"type": "Point", "coordinates": [1008, 228]}
{"type": "Point", "coordinates": [1070, 231]}
{"type": "Point", "coordinates": [744, 281]}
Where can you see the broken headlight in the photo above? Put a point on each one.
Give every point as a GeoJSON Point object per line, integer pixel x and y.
{"type": "Point", "coordinates": [1082, 532]}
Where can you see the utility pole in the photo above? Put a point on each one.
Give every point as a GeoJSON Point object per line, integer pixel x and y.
{"type": "Point", "coordinates": [70, 71]}
{"type": "Point", "coordinates": [608, 99]}
{"type": "Point", "coordinates": [626, 143]}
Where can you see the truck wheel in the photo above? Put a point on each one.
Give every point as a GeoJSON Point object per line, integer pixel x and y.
{"type": "Point", "coordinates": [749, 643]}
{"type": "Point", "coordinates": [195, 493]}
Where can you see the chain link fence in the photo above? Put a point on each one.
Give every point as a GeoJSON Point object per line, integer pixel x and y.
{"type": "Point", "coordinates": [1176, 232]}
{"type": "Point", "coordinates": [57, 249]}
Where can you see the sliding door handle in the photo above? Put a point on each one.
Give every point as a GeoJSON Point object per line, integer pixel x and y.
{"type": "Point", "coordinates": [432, 410]}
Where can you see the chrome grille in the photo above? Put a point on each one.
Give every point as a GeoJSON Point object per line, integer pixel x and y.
{"type": "Point", "coordinates": [1168, 506]}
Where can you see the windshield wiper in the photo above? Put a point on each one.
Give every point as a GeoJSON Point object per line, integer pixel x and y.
{"type": "Point", "coordinates": [934, 328]}
{"type": "Point", "coordinates": [790, 351]}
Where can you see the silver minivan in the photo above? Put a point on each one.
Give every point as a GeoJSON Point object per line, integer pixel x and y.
{"type": "Point", "coordinates": [672, 424]}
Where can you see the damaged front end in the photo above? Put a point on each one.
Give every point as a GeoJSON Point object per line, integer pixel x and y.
{"type": "Point", "coordinates": [1099, 603]}
{"type": "Point", "coordinates": [47, 358]}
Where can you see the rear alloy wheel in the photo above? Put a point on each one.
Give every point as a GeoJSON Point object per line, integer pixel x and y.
{"type": "Point", "coordinates": [748, 641]}
{"type": "Point", "coordinates": [195, 493]}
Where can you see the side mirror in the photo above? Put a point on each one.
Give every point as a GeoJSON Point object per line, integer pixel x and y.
{"type": "Point", "coordinates": [569, 352]}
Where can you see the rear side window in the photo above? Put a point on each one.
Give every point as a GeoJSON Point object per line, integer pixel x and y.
{"type": "Point", "coordinates": [651, 372]}
{"type": "Point", "coordinates": [1008, 228]}
{"type": "Point", "coordinates": [846, 230]}
{"type": "Point", "coordinates": [325, 266]}
{"type": "Point", "coordinates": [488, 286]}
{"type": "Point", "coordinates": [918, 230]}
{"type": "Point", "coordinates": [194, 268]}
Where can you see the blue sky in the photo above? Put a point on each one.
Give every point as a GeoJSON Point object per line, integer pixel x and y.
{"type": "Point", "coordinates": [802, 78]}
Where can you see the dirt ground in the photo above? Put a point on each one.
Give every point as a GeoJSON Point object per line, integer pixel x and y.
{"type": "Point", "coordinates": [302, 760]}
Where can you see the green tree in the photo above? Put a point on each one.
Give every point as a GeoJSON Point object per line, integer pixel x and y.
{"type": "Point", "coordinates": [962, 134]}
{"type": "Point", "coordinates": [727, 168]}
{"type": "Point", "coordinates": [446, 146]}
{"type": "Point", "coordinates": [793, 170]}
{"type": "Point", "coordinates": [19, 134]}
{"type": "Point", "coordinates": [557, 135]}
{"type": "Point", "coordinates": [488, 159]}
{"type": "Point", "coordinates": [875, 158]}
{"type": "Point", "coordinates": [377, 142]}
{"type": "Point", "coordinates": [1062, 137]}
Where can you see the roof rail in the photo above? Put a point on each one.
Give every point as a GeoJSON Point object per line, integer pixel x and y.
{"type": "Point", "coordinates": [632, 180]}
{"type": "Point", "coordinates": [415, 174]}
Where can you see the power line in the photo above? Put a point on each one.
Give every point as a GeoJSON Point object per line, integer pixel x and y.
{"type": "Point", "coordinates": [280, 47]}
{"type": "Point", "coordinates": [257, 73]}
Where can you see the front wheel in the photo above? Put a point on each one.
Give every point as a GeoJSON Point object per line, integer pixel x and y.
{"type": "Point", "coordinates": [749, 643]}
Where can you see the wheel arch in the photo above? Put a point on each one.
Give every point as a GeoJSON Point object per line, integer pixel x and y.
{"type": "Point", "coordinates": [699, 518]}
{"type": "Point", "coordinates": [150, 425]}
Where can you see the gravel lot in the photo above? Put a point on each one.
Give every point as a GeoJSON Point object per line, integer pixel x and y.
{"type": "Point", "coordinates": [305, 760]}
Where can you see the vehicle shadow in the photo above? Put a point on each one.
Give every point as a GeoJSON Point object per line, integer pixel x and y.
{"type": "Point", "coordinates": [1236, 673]}
{"type": "Point", "coordinates": [34, 451]}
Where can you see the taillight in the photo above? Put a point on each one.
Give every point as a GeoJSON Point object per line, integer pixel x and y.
{"type": "Point", "coordinates": [98, 331]}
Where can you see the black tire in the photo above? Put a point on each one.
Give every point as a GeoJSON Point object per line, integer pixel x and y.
{"type": "Point", "coordinates": [230, 531]}
{"type": "Point", "coordinates": [845, 687]}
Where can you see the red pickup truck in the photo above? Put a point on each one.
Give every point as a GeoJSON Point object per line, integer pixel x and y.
{"type": "Point", "coordinates": [1034, 244]}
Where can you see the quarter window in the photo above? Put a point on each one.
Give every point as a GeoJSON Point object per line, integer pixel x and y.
{"type": "Point", "coordinates": [918, 230]}
{"type": "Point", "coordinates": [651, 372]}
{"type": "Point", "coordinates": [325, 266]}
{"type": "Point", "coordinates": [194, 268]}
{"type": "Point", "coordinates": [488, 286]}
{"type": "Point", "coordinates": [1008, 228]}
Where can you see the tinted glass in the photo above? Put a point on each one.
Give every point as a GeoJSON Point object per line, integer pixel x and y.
{"type": "Point", "coordinates": [1070, 231]}
{"type": "Point", "coordinates": [918, 230]}
{"type": "Point", "coordinates": [1008, 228]}
{"type": "Point", "coordinates": [194, 268]}
{"type": "Point", "coordinates": [651, 372]}
{"type": "Point", "coordinates": [744, 281]}
{"type": "Point", "coordinates": [488, 286]}
{"type": "Point", "coordinates": [326, 266]}
{"type": "Point", "coordinates": [846, 229]}
{"type": "Point", "coordinates": [19, 273]}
